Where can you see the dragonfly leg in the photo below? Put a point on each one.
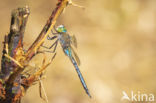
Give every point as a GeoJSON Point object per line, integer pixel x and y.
{"type": "Point", "coordinates": [53, 45]}
{"type": "Point", "coordinates": [55, 28]}
{"type": "Point", "coordinates": [53, 31]}
{"type": "Point", "coordinates": [51, 38]}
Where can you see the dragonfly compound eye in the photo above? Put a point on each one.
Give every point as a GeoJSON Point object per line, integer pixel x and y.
{"type": "Point", "coordinates": [61, 29]}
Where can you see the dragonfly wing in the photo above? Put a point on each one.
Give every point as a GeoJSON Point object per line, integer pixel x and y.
{"type": "Point", "coordinates": [74, 41]}
{"type": "Point", "coordinates": [75, 56]}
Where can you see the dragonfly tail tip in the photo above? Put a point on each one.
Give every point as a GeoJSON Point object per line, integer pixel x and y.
{"type": "Point", "coordinates": [89, 95]}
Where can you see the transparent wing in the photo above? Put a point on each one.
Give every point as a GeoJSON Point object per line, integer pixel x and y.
{"type": "Point", "coordinates": [74, 41]}
{"type": "Point", "coordinates": [76, 56]}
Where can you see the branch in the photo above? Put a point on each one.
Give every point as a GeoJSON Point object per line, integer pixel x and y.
{"type": "Point", "coordinates": [47, 28]}
{"type": "Point", "coordinates": [13, 46]}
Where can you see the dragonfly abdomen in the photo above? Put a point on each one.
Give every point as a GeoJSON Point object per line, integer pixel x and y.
{"type": "Point", "coordinates": [80, 76]}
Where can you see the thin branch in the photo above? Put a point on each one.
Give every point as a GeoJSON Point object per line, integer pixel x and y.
{"type": "Point", "coordinates": [62, 4]}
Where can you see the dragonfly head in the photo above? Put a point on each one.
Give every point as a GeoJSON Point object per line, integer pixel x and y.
{"type": "Point", "coordinates": [61, 29]}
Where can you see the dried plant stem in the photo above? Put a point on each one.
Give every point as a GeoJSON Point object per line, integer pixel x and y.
{"type": "Point", "coordinates": [14, 60]}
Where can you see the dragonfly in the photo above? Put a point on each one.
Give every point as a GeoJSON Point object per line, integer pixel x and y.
{"type": "Point", "coordinates": [67, 42]}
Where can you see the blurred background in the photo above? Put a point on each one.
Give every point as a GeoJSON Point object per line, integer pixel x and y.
{"type": "Point", "coordinates": [116, 46]}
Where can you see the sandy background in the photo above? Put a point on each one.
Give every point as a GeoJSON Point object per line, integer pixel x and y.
{"type": "Point", "coordinates": [116, 45]}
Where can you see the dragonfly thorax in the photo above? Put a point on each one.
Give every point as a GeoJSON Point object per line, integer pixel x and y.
{"type": "Point", "coordinates": [64, 39]}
